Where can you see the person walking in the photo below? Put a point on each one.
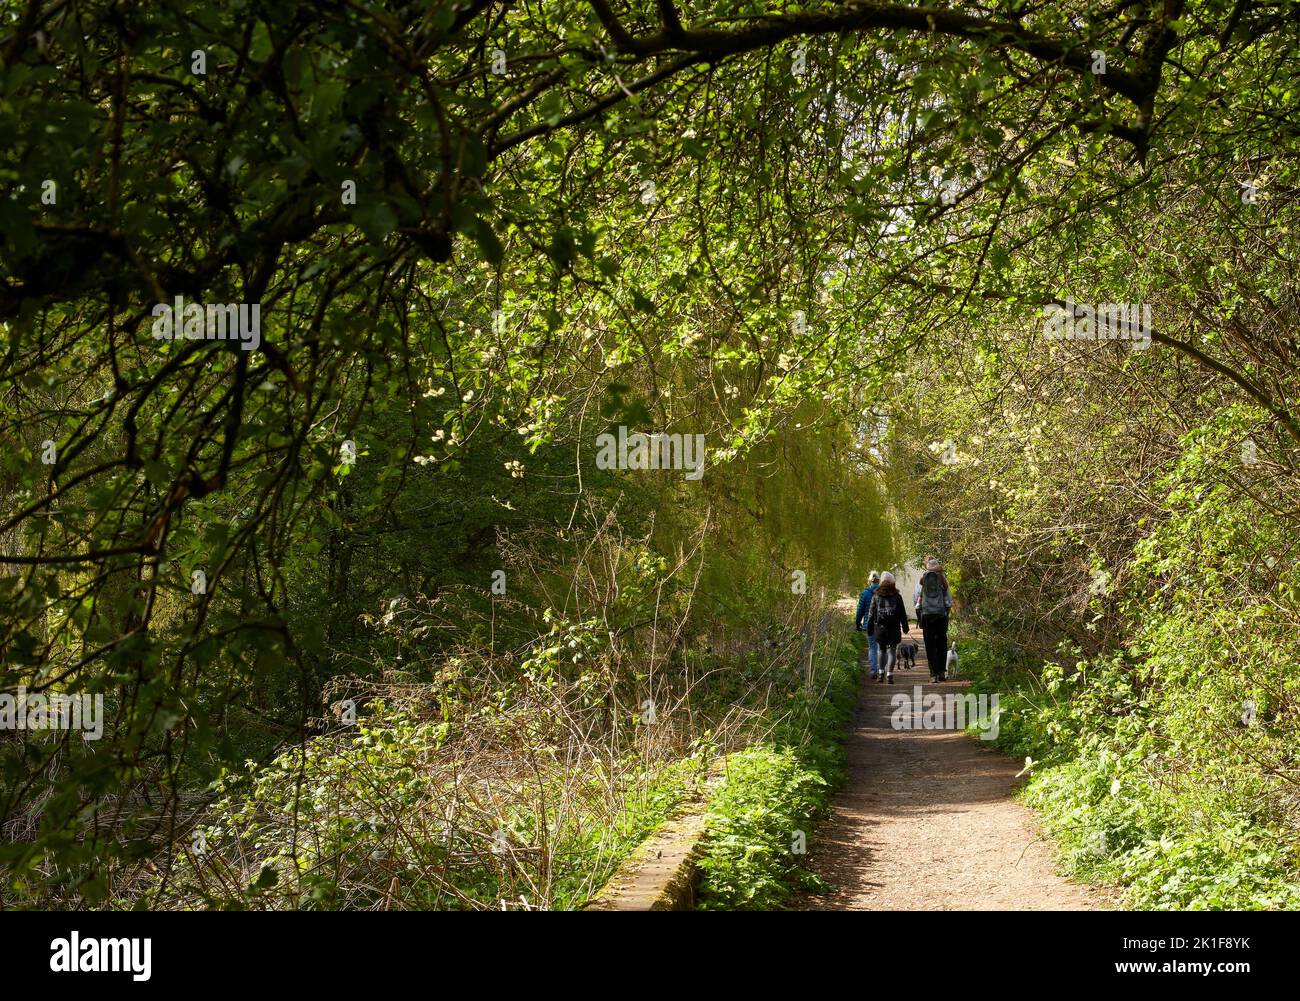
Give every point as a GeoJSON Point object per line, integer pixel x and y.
{"type": "Point", "coordinates": [886, 622]}
{"type": "Point", "coordinates": [932, 602]}
{"type": "Point", "coordinates": [864, 605]}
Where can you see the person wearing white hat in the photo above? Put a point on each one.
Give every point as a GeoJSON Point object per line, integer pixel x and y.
{"type": "Point", "coordinates": [886, 623]}
{"type": "Point", "coordinates": [932, 601]}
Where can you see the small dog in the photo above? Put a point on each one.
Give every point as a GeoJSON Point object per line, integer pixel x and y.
{"type": "Point", "coordinates": [907, 654]}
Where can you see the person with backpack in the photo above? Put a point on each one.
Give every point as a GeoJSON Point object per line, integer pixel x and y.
{"type": "Point", "coordinates": [933, 602]}
{"type": "Point", "coordinates": [864, 605]}
{"type": "Point", "coordinates": [886, 622]}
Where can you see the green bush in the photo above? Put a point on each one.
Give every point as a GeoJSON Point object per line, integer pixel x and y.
{"type": "Point", "coordinates": [1143, 774]}
{"type": "Point", "coordinates": [375, 819]}
{"type": "Point", "coordinates": [773, 792]}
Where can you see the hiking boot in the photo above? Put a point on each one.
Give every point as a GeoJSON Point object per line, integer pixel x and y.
{"type": "Point", "coordinates": [891, 679]}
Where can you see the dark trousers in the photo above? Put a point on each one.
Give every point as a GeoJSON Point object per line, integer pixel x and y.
{"type": "Point", "coordinates": [935, 628]}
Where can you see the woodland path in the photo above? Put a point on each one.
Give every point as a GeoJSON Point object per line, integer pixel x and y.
{"type": "Point", "coordinates": [926, 821]}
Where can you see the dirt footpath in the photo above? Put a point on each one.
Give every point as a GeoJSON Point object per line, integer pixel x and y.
{"type": "Point", "coordinates": [926, 821]}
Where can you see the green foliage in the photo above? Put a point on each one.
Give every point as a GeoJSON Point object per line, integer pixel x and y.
{"type": "Point", "coordinates": [769, 795]}
{"type": "Point", "coordinates": [775, 791]}
{"type": "Point", "coordinates": [468, 272]}
{"type": "Point", "coordinates": [369, 819]}
{"type": "Point", "coordinates": [1141, 789]}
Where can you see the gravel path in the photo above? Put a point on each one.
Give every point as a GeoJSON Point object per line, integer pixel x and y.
{"type": "Point", "coordinates": [927, 822]}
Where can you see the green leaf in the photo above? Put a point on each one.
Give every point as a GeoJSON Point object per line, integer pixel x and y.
{"type": "Point", "coordinates": [375, 219]}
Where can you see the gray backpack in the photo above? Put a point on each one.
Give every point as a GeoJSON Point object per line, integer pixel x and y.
{"type": "Point", "coordinates": [932, 594]}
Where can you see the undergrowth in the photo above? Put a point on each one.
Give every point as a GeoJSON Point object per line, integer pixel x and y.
{"type": "Point", "coordinates": [761, 816]}
{"type": "Point", "coordinates": [1147, 778]}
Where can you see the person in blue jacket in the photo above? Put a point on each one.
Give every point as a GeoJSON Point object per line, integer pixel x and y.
{"type": "Point", "coordinates": [864, 605]}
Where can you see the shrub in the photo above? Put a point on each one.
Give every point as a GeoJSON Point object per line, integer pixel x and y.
{"type": "Point", "coordinates": [774, 791]}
